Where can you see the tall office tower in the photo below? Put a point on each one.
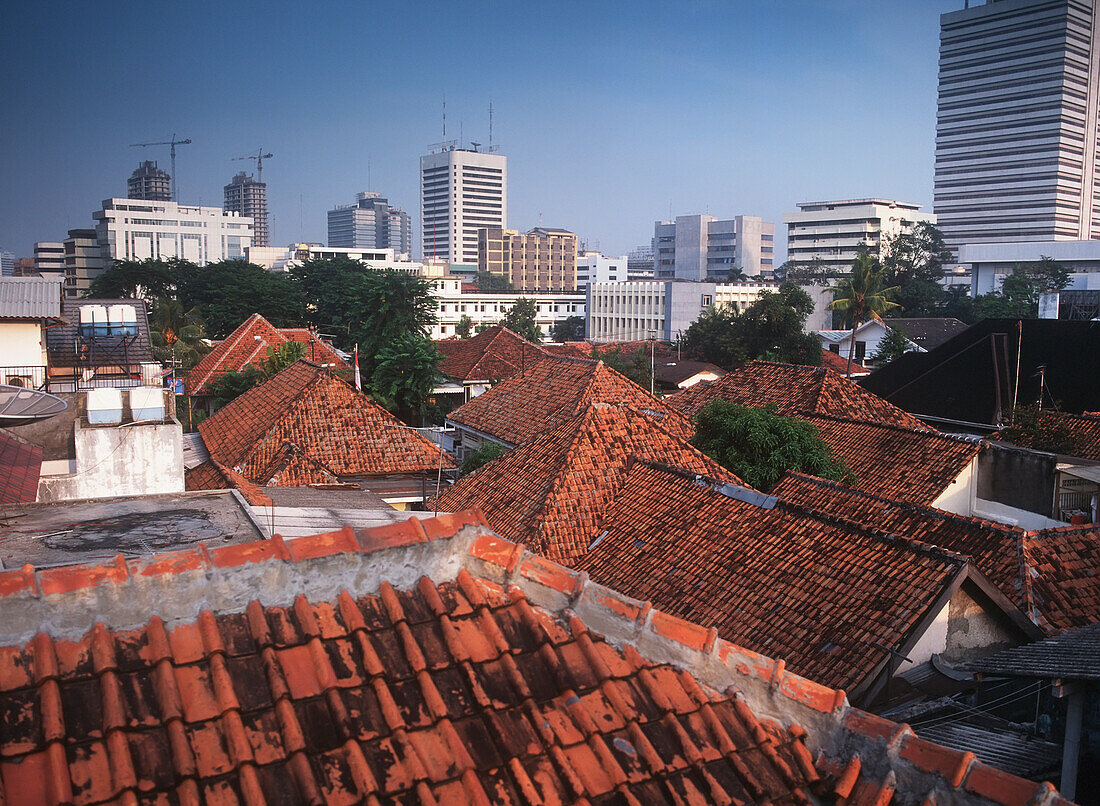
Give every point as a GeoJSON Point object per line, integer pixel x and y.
{"type": "Point", "coordinates": [461, 191]}
{"type": "Point", "coordinates": [1016, 122]}
{"type": "Point", "coordinates": [544, 259]}
{"type": "Point", "coordinates": [7, 263]}
{"type": "Point", "coordinates": [700, 247]}
{"type": "Point", "coordinates": [149, 182]}
{"type": "Point", "coordinates": [247, 197]}
{"type": "Point", "coordinates": [49, 257]}
{"type": "Point", "coordinates": [370, 223]}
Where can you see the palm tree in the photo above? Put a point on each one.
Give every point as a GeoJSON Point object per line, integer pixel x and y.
{"type": "Point", "coordinates": [177, 333]}
{"type": "Point", "coordinates": [862, 297]}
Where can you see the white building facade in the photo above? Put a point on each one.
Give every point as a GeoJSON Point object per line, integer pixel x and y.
{"type": "Point", "coordinates": [833, 232]}
{"type": "Point", "coordinates": [664, 309]}
{"type": "Point", "coordinates": [276, 258]}
{"type": "Point", "coordinates": [131, 229]}
{"type": "Point", "coordinates": [592, 267]}
{"type": "Point", "coordinates": [461, 191]}
{"type": "Point", "coordinates": [701, 247]}
{"type": "Point", "coordinates": [1016, 122]}
{"type": "Point", "coordinates": [489, 309]}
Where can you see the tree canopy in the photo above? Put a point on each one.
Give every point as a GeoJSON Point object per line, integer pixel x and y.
{"type": "Point", "coordinates": [1019, 295]}
{"type": "Point", "coordinates": [569, 329]}
{"type": "Point", "coordinates": [913, 262]}
{"type": "Point", "coordinates": [862, 296]}
{"type": "Point", "coordinates": [521, 319]}
{"type": "Point", "coordinates": [760, 446]}
{"type": "Point", "coordinates": [770, 328]}
{"type": "Point", "coordinates": [893, 345]}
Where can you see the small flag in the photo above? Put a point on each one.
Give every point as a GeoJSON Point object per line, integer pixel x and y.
{"type": "Point", "coordinates": [358, 380]}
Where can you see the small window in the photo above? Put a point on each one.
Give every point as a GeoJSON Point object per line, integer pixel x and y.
{"type": "Point", "coordinates": [706, 300]}
{"type": "Point", "coordinates": [834, 348]}
{"type": "Point", "coordinates": [861, 350]}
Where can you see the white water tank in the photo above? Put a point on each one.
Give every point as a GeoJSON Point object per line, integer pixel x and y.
{"type": "Point", "coordinates": [86, 320]}
{"type": "Point", "coordinates": [100, 325]}
{"type": "Point", "coordinates": [147, 403]}
{"type": "Point", "coordinates": [122, 320]}
{"type": "Point", "coordinates": [105, 406]}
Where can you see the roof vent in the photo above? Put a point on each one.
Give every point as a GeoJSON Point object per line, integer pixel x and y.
{"type": "Point", "coordinates": [105, 406]}
{"type": "Point", "coordinates": [748, 496]}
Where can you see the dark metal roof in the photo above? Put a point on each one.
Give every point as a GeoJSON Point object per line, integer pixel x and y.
{"type": "Point", "coordinates": [928, 332]}
{"type": "Point", "coordinates": [62, 341]}
{"type": "Point", "coordinates": [1009, 750]}
{"type": "Point", "coordinates": [30, 297]}
{"type": "Point", "coordinates": [1072, 655]}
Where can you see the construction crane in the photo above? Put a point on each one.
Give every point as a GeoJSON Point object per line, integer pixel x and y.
{"type": "Point", "coordinates": [173, 142]}
{"type": "Point", "coordinates": [259, 156]}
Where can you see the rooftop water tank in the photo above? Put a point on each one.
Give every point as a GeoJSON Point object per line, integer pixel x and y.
{"type": "Point", "coordinates": [147, 403]}
{"type": "Point", "coordinates": [122, 320]}
{"type": "Point", "coordinates": [105, 406]}
{"type": "Point", "coordinates": [100, 326]}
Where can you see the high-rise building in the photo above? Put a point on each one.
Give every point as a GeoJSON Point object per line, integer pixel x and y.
{"type": "Point", "coordinates": [832, 232]}
{"type": "Point", "coordinates": [247, 197]}
{"type": "Point", "coordinates": [544, 259]}
{"type": "Point", "coordinates": [149, 182]}
{"type": "Point", "coordinates": [370, 223]}
{"type": "Point", "coordinates": [461, 191]}
{"type": "Point", "coordinates": [1016, 123]}
{"type": "Point", "coordinates": [84, 261]}
{"type": "Point", "coordinates": [639, 263]}
{"type": "Point", "coordinates": [7, 263]}
{"type": "Point", "coordinates": [24, 267]}
{"type": "Point", "coordinates": [49, 258]}
{"type": "Point", "coordinates": [700, 247]}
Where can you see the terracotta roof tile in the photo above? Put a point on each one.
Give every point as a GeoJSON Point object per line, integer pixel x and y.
{"type": "Point", "coordinates": [1064, 566]}
{"type": "Point", "coordinates": [20, 467]}
{"type": "Point", "coordinates": [839, 363]}
{"type": "Point", "coordinates": [814, 589]}
{"type": "Point", "coordinates": [567, 349]}
{"type": "Point", "coordinates": [914, 465]}
{"type": "Point", "coordinates": [552, 392]}
{"type": "Point", "coordinates": [551, 492]}
{"type": "Point", "coordinates": [248, 344]}
{"type": "Point", "coordinates": [495, 354]}
{"type": "Point", "coordinates": [1084, 428]}
{"type": "Point", "coordinates": [306, 427]}
{"type": "Point", "coordinates": [474, 683]}
{"type": "Point", "coordinates": [213, 475]}
{"type": "Point", "coordinates": [795, 391]}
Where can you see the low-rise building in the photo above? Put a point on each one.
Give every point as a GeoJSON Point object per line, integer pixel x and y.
{"type": "Point", "coordinates": [456, 299]}
{"type": "Point", "coordinates": [132, 229]}
{"type": "Point", "coordinates": [700, 247]}
{"type": "Point", "coordinates": [541, 260]}
{"type": "Point", "coordinates": [28, 306]}
{"type": "Point", "coordinates": [663, 309]}
{"type": "Point", "coordinates": [278, 258]}
{"type": "Point", "coordinates": [472, 365]}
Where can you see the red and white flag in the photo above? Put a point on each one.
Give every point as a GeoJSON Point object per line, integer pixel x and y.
{"type": "Point", "coordinates": [358, 380]}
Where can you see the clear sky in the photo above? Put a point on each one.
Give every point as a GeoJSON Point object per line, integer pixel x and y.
{"type": "Point", "coordinates": [611, 114]}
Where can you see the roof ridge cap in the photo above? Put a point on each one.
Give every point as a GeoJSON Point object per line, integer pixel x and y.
{"type": "Point", "coordinates": [895, 427]}
{"type": "Point", "coordinates": [244, 328]}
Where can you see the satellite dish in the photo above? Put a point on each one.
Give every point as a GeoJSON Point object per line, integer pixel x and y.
{"type": "Point", "coordinates": [19, 406]}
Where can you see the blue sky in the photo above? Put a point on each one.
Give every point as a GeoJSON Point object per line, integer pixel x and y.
{"type": "Point", "coordinates": [611, 114]}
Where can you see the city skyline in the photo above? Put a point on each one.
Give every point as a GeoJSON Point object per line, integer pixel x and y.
{"type": "Point", "coordinates": [609, 122]}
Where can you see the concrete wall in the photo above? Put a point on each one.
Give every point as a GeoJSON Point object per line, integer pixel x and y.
{"type": "Point", "coordinates": [21, 345]}
{"type": "Point", "coordinates": [1017, 477]}
{"type": "Point", "coordinates": [129, 459]}
{"type": "Point", "coordinates": [959, 495]}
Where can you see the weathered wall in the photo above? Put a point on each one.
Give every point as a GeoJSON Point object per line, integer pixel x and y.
{"type": "Point", "coordinates": [140, 459]}
{"type": "Point", "coordinates": [975, 629]}
{"type": "Point", "coordinates": [55, 435]}
{"type": "Point", "coordinates": [1017, 477]}
{"type": "Point", "coordinates": [959, 495]}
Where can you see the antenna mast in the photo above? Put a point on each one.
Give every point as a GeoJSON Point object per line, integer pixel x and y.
{"type": "Point", "coordinates": [490, 125]}
{"type": "Point", "coordinates": [444, 117]}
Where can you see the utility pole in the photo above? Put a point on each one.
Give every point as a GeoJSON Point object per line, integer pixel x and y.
{"type": "Point", "coordinates": [173, 143]}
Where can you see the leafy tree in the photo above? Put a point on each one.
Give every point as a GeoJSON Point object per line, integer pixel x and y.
{"type": "Point", "coordinates": [1041, 431]}
{"type": "Point", "coordinates": [736, 275]}
{"type": "Point", "coordinates": [568, 329]}
{"type": "Point", "coordinates": [137, 279]}
{"type": "Point", "coordinates": [493, 283]}
{"type": "Point", "coordinates": [760, 446]}
{"type": "Point", "coordinates": [1019, 295]}
{"type": "Point", "coordinates": [230, 291]}
{"type": "Point", "coordinates": [520, 319]}
{"type": "Point", "coordinates": [404, 375]}
{"type": "Point", "coordinates": [913, 261]}
{"type": "Point", "coordinates": [634, 365]}
{"type": "Point", "coordinates": [862, 296]}
{"type": "Point", "coordinates": [177, 335]}
{"type": "Point", "coordinates": [230, 385]}
{"type": "Point", "coordinates": [281, 357]}
{"type": "Point", "coordinates": [811, 272]}
{"type": "Point", "coordinates": [482, 456]}
{"type": "Point", "coordinates": [958, 303]}
{"type": "Point", "coordinates": [893, 345]}
{"type": "Point", "coordinates": [464, 326]}
{"type": "Point", "coordinates": [770, 327]}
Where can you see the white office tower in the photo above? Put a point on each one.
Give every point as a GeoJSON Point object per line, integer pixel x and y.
{"type": "Point", "coordinates": [462, 190]}
{"type": "Point", "coordinates": [1016, 122]}
{"type": "Point", "coordinates": [129, 229]}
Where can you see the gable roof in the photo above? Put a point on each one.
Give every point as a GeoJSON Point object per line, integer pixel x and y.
{"type": "Point", "coordinates": [329, 668]}
{"type": "Point", "coordinates": [30, 298]}
{"type": "Point", "coordinates": [494, 354]}
{"type": "Point", "coordinates": [830, 597]}
{"type": "Point", "coordinates": [248, 345]}
{"type": "Point", "coordinates": [1084, 428]}
{"type": "Point", "coordinates": [213, 475]}
{"type": "Point", "coordinates": [306, 427]}
{"type": "Point", "coordinates": [907, 464]}
{"type": "Point", "coordinates": [795, 390]}
{"type": "Point", "coordinates": [839, 363]}
{"type": "Point", "coordinates": [566, 349]}
{"type": "Point", "coordinates": [552, 392]}
{"type": "Point", "coordinates": [551, 492]}
{"type": "Point", "coordinates": [676, 372]}
{"type": "Point", "coordinates": [20, 468]}
{"type": "Point", "coordinates": [927, 332]}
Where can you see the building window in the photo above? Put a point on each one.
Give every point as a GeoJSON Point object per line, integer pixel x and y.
{"type": "Point", "coordinates": [861, 350]}
{"type": "Point", "coordinates": [834, 348]}
{"type": "Point", "coordinates": [706, 300]}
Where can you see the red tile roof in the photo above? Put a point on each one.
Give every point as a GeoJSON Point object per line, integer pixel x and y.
{"type": "Point", "coordinates": [823, 593]}
{"type": "Point", "coordinates": [795, 391]}
{"type": "Point", "coordinates": [552, 392]}
{"type": "Point", "coordinates": [1064, 569]}
{"type": "Point", "coordinates": [567, 349]}
{"type": "Point", "coordinates": [839, 363]}
{"type": "Point", "coordinates": [551, 492]}
{"type": "Point", "coordinates": [1083, 428]}
{"type": "Point", "coordinates": [213, 475]}
{"type": "Point", "coordinates": [914, 465]}
{"type": "Point", "coordinates": [306, 427]}
{"type": "Point", "coordinates": [333, 669]}
{"type": "Point", "coordinates": [20, 467]}
{"type": "Point", "coordinates": [247, 345]}
{"type": "Point", "coordinates": [495, 354]}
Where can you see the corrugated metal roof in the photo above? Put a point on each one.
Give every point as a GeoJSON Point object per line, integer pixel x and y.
{"type": "Point", "coordinates": [30, 298]}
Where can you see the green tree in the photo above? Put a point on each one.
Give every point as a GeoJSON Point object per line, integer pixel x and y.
{"type": "Point", "coordinates": [137, 279]}
{"type": "Point", "coordinates": [404, 375]}
{"type": "Point", "coordinates": [231, 385]}
{"type": "Point", "coordinates": [230, 291]}
{"type": "Point", "coordinates": [770, 327]}
{"type": "Point", "coordinates": [913, 261]}
{"type": "Point", "coordinates": [520, 319]}
{"type": "Point", "coordinates": [1020, 292]}
{"type": "Point", "coordinates": [1041, 431]}
{"type": "Point", "coordinates": [811, 272]}
{"type": "Point", "coordinates": [493, 283]}
{"type": "Point", "coordinates": [958, 303]}
{"type": "Point", "coordinates": [760, 446]}
{"type": "Point", "coordinates": [281, 357]}
{"type": "Point", "coordinates": [487, 452]}
{"type": "Point", "coordinates": [464, 326]}
{"type": "Point", "coordinates": [177, 335]}
{"type": "Point", "coordinates": [894, 345]}
{"type": "Point", "coordinates": [634, 365]}
{"type": "Point", "coordinates": [569, 329]}
{"type": "Point", "coordinates": [862, 296]}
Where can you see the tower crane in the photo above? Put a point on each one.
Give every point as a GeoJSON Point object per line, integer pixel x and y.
{"type": "Point", "coordinates": [259, 156]}
{"type": "Point", "coordinates": [173, 142]}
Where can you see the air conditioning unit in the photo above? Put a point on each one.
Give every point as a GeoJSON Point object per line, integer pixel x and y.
{"type": "Point", "coordinates": [105, 406]}
{"type": "Point", "coordinates": [147, 403]}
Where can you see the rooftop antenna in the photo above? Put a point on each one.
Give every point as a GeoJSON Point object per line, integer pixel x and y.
{"type": "Point", "coordinates": [460, 132]}
{"type": "Point", "coordinates": [444, 117]}
{"type": "Point", "coordinates": [171, 142]}
{"type": "Point", "coordinates": [368, 174]}
{"type": "Point", "coordinates": [490, 125]}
